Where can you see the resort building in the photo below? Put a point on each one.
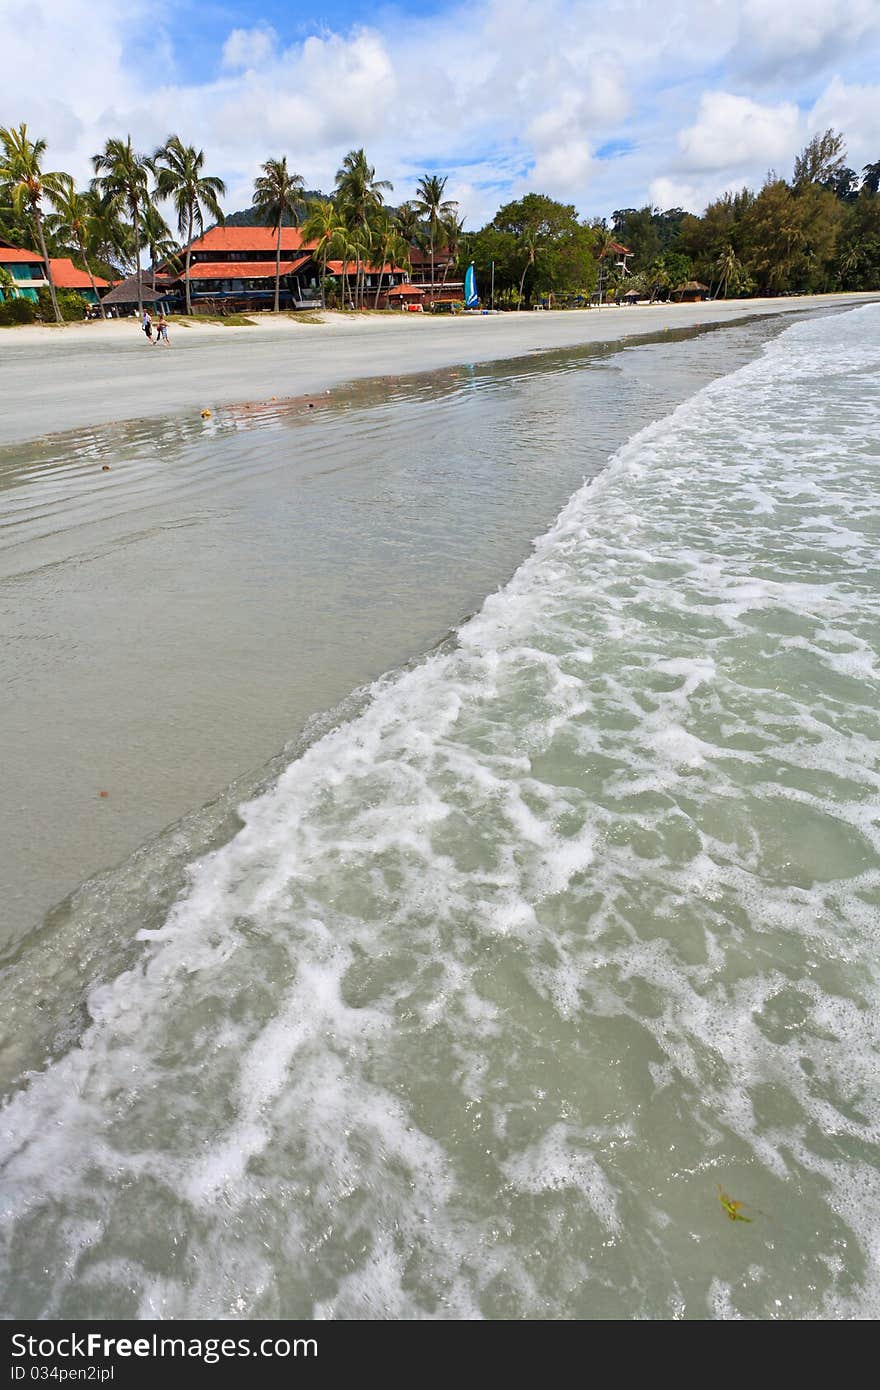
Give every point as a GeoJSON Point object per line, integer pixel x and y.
{"type": "Point", "coordinates": [67, 276]}
{"type": "Point", "coordinates": [28, 270]}
{"type": "Point", "coordinates": [234, 267]}
{"type": "Point", "coordinates": [442, 288]}
{"type": "Point", "coordinates": [238, 264]}
{"type": "Point", "coordinates": [25, 267]}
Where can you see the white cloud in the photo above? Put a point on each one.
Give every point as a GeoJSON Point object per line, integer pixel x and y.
{"type": "Point", "coordinates": [791, 36]}
{"type": "Point", "coordinates": [854, 109]}
{"type": "Point", "coordinates": [248, 48]}
{"type": "Point", "coordinates": [733, 132]}
{"type": "Point", "coordinates": [503, 95]}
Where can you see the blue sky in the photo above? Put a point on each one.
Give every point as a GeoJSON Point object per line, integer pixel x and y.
{"type": "Point", "coordinates": [603, 103]}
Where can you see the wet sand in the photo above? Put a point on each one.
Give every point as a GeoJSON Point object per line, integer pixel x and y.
{"type": "Point", "coordinates": [90, 374]}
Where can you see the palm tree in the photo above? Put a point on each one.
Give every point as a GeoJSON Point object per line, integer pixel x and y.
{"type": "Point", "coordinates": [359, 195]}
{"type": "Point", "coordinates": [277, 197]}
{"type": "Point", "coordinates": [180, 177]}
{"type": "Point", "coordinates": [728, 268]}
{"type": "Point", "coordinates": [121, 181]}
{"type": "Point", "coordinates": [8, 287]}
{"type": "Point", "coordinates": [157, 238]}
{"type": "Point", "coordinates": [321, 224]}
{"type": "Point", "coordinates": [408, 223]}
{"type": "Point", "coordinates": [345, 245]}
{"type": "Point", "coordinates": [26, 184]}
{"type": "Point", "coordinates": [391, 247]}
{"type": "Point", "coordinates": [430, 204]}
{"type": "Point", "coordinates": [452, 228]}
{"type": "Point", "coordinates": [74, 219]}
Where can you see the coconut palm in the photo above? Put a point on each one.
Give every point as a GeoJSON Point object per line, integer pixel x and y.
{"type": "Point", "coordinates": [277, 197]}
{"type": "Point", "coordinates": [74, 219]}
{"type": "Point", "coordinates": [321, 224]}
{"type": "Point", "coordinates": [431, 204]}
{"type": "Point", "coordinates": [390, 248]}
{"type": "Point", "coordinates": [180, 176]}
{"type": "Point", "coordinates": [728, 268]}
{"type": "Point", "coordinates": [409, 223]}
{"type": "Point", "coordinates": [27, 183]}
{"type": "Point", "coordinates": [452, 228]}
{"type": "Point", "coordinates": [345, 246]}
{"type": "Point", "coordinates": [359, 195]}
{"type": "Point", "coordinates": [158, 241]}
{"type": "Point", "coordinates": [121, 182]}
{"type": "Point", "coordinates": [603, 241]}
{"type": "Point", "coordinates": [8, 287]}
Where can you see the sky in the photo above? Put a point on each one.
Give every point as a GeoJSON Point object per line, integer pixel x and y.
{"type": "Point", "coordinates": [602, 103]}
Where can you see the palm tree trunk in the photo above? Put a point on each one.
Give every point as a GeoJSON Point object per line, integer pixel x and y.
{"type": "Point", "coordinates": [38, 218]}
{"type": "Point", "coordinates": [188, 263]}
{"type": "Point", "coordinates": [137, 253]}
{"type": "Point", "coordinates": [82, 252]}
{"type": "Point", "coordinates": [278, 269]}
{"type": "Point", "coordinates": [521, 283]}
{"type": "Point", "coordinates": [379, 286]}
{"type": "Point", "coordinates": [432, 255]}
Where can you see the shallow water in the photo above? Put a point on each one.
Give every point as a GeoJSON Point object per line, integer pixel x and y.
{"type": "Point", "coordinates": [170, 624]}
{"type": "Point", "coordinates": [567, 924]}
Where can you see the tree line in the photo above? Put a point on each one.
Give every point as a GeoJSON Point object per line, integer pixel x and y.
{"type": "Point", "coordinates": [107, 226]}
{"type": "Point", "coordinates": [819, 230]}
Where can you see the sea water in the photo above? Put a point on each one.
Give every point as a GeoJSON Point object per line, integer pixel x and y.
{"type": "Point", "coordinates": [514, 983]}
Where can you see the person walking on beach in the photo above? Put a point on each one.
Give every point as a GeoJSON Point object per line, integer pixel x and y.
{"type": "Point", "coordinates": [147, 325]}
{"type": "Point", "coordinates": [162, 331]}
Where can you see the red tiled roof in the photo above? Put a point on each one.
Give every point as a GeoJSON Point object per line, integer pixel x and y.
{"type": "Point", "coordinates": [335, 268]}
{"type": "Point", "coordinates": [67, 277]}
{"type": "Point", "coordinates": [16, 254]}
{"type": "Point", "coordinates": [407, 290]}
{"type": "Point", "coordinates": [226, 239]}
{"type": "Point", "coordinates": [616, 247]}
{"type": "Point", "coordinates": [243, 270]}
{"type": "Point", "coordinates": [419, 256]}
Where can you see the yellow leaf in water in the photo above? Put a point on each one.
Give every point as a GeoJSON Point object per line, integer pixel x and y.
{"type": "Point", "coordinates": [732, 1208]}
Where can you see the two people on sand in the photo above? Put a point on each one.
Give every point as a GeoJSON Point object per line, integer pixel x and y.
{"type": "Point", "coordinates": [161, 328]}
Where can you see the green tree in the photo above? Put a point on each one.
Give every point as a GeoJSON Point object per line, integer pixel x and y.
{"type": "Point", "coordinates": [27, 184]}
{"type": "Point", "coordinates": [322, 223]}
{"type": "Point", "coordinates": [452, 231]}
{"type": "Point", "coordinates": [346, 247]}
{"type": "Point", "coordinates": [75, 218]}
{"type": "Point", "coordinates": [180, 177]}
{"type": "Point", "coordinates": [158, 241]}
{"type": "Point", "coordinates": [431, 205]}
{"type": "Point", "coordinates": [120, 180]}
{"type": "Point", "coordinates": [728, 268]}
{"type": "Point", "coordinates": [389, 247]}
{"type": "Point", "coordinates": [409, 223]}
{"type": "Point", "coordinates": [277, 196]}
{"type": "Point", "coordinates": [359, 195]}
{"type": "Point", "coordinates": [821, 160]}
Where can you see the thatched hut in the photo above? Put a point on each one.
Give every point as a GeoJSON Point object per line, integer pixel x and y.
{"type": "Point", "coordinates": [123, 298]}
{"type": "Point", "coordinates": [692, 292]}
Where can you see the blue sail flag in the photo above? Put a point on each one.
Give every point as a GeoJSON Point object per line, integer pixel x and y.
{"type": "Point", "coordinates": [471, 298]}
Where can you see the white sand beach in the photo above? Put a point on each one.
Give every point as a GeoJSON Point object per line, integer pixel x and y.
{"type": "Point", "coordinates": [58, 378]}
